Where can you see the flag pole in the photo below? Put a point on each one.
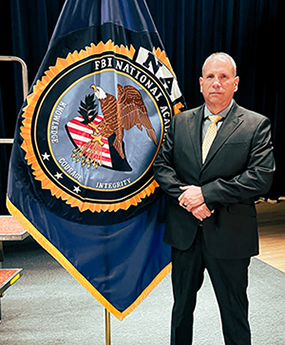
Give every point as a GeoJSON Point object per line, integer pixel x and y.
{"type": "Point", "coordinates": [107, 327]}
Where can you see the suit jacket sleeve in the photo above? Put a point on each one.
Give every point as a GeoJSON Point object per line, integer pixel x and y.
{"type": "Point", "coordinates": [254, 181]}
{"type": "Point", "coordinates": [163, 167]}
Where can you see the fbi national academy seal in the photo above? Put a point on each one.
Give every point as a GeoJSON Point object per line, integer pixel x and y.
{"type": "Point", "coordinates": [94, 123]}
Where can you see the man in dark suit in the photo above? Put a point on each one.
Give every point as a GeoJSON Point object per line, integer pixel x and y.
{"type": "Point", "coordinates": [211, 185]}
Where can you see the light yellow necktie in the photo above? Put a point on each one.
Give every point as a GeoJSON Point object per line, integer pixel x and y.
{"type": "Point", "coordinates": [210, 135]}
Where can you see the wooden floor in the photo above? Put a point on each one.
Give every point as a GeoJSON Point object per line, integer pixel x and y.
{"type": "Point", "coordinates": [271, 226]}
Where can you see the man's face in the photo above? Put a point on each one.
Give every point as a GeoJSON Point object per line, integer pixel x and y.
{"type": "Point", "coordinates": [218, 83]}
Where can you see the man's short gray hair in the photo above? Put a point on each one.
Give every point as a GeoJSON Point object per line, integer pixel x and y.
{"type": "Point", "coordinates": [222, 55]}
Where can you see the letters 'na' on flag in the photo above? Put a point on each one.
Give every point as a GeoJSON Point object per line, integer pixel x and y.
{"type": "Point", "coordinates": [80, 178]}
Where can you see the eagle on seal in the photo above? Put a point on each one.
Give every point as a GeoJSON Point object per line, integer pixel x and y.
{"type": "Point", "coordinates": [118, 114]}
{"type": "Point", "coordinates": [129, 110]}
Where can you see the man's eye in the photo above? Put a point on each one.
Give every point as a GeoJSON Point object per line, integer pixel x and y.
{"type": "Point", "coordinates": [210, 76]}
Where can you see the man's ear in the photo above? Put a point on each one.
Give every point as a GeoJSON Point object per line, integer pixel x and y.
{"type": "Point", "coordinates": [201, 83]}
{"type": "Point", "coordinates": [236, 82]}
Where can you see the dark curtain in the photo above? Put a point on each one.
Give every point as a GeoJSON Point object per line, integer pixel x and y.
{"type": "Point", "coordinates": [26, 27]}
{"type": "Point", "coordinates": [249, 30]}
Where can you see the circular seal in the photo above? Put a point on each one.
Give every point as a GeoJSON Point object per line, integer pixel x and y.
{"type": "Point", "coordinates": [94, 124]}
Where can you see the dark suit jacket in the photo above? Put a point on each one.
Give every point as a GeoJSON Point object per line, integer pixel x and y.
{"type": "Point", "coordinates": [239, 167]}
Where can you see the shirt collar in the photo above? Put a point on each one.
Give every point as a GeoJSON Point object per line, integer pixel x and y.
{"type": "Point", "coordinates": [223, 113]}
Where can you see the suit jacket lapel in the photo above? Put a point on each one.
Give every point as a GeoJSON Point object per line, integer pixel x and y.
{"type": "Point", "coordinates": [195, 125]}
{"type": "Point", "coordinates": [232, 121]}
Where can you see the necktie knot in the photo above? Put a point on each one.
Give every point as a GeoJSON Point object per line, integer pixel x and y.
{"type": "Point", "coordinates": [215, 118]}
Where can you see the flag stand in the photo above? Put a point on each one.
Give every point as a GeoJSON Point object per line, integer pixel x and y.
{"type": "Point", "coordinates": [107, 327]}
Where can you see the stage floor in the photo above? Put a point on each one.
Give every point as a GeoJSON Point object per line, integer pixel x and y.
{"type": "Point", "coordinates": [271, 226]}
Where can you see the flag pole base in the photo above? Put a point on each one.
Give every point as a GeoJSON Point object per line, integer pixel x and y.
{"type": "Point", "coordinates": [107, 327]}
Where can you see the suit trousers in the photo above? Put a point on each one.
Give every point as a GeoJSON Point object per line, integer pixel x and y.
{"type": "Point", "coordinates": [229, 279]}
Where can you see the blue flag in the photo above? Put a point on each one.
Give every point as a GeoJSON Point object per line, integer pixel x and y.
{"type": "Point", "coordinates": [80, 177]}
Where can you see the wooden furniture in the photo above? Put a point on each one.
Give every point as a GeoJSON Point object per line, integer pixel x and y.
{"type": "Point", "coordinates": [10, 230]}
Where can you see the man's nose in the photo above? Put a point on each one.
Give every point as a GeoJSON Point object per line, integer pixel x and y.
{"type": "Point", "coordinates": [216, 82]}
